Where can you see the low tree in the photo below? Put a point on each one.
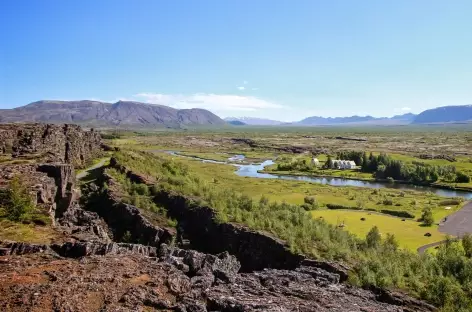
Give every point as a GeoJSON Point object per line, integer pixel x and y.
{"type": "Point", "coordinates": [427, 217]}
{"type": "Point", "coordinates": [390, 242]}
{"type": "Point", "coordinates": [373, 238]}
{"type": "Point", "coordinates": [310, 203]}
{"type": "Point", "coordinates": [327, 164]}
{"type": "Point", "coordinates": [467, 245]}
{"type": "Point", "coordinates": [462, 177]}
{"type": "Point", "coordinates": [16, 200]}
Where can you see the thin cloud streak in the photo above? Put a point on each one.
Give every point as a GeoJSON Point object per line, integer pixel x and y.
{"type": "Point", "coordinates": [224, 104]}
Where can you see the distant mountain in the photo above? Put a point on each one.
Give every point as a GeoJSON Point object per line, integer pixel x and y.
{"type": "Point", "coordinates": [316, 120]}
{"type": "Point", "coordinates": [122, 113]}
{"type": "Point", "coordinates": [407, 116]}
{"type": "Point", "coordinates": [445, 114]}
{"type": "Point", "coordinates": [255, 121]}
{"type": "Point", "coordinates": [357, 120]}
{"type": "Point", "coordinates": [236, 123]}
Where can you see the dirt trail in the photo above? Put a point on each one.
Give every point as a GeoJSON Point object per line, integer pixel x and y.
{"type": "Point", "coordinates": [83, 174]}
{"type": "Point", "coordinates": [456, 224]}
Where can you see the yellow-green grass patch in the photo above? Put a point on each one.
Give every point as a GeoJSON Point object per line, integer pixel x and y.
{"type": "Point", "coordinates": [409, 234]}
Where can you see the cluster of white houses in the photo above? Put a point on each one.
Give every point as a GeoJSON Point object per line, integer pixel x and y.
{"type": "Point", "coordinates": [336, 164]}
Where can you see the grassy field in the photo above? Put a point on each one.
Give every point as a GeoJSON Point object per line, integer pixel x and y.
{"type": "Point", "coordinates": [410, 234]}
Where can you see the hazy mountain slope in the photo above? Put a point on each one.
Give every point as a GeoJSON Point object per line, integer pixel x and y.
{"type": "Point", "coordinates": [100, 113]}
{"type": "Point", "coordinates": [407, 116]}
{"type": "Point", "coordinates": [236, 123]}
{"type": "Point", "coordinates": [255, 121]}
{"type": "Point", "coordinates": [316, 120]}
{"type": "Point", "coordinates": [445, 114]}
{"type": "Point", "coordinates": [358, 120]}
{"type": "Point", "coordinates": [56, 111]}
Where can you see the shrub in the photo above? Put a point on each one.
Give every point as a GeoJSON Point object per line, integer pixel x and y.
{"type": "Point", "coordinates": [462, 177]}
{"type": "Point", "coordinates": [127, 238]}
{"type": "Point", "coordinates": [16, 201]}
{"type": "Point", "coordinates": [310, 203]}
{"type": "Point", "coordinates": [373, 238]}
{"type": "Point", "coordinates": [335, 206]}
{"type": "Point", "coordinates": [451, 202]}
{"type": "Point", "coordinates": [427, 217]}
{"type": "Point", "coordinates": [387, 202]}
{"type": "Point", "coordinates": [467, 245]}
{"type": "Point", "coordinates": [398, 213]}
{"type": "Point", "coordinates": [309, 200]}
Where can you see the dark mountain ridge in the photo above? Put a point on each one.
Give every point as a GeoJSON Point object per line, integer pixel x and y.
{"type": "Point", "coordinates": [126, 113]}
{"type": "Point", "coordinates": [367, 120]}
{"type": "Point", "coordinates": [445, 114]}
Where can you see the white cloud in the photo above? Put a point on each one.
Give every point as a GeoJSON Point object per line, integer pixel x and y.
{"type": "Point", "coordinates": [405, 109]}
{"type": "Point", "coordinates": [223, 104]}
{"type": "Point", "coordinates": [241, 88]}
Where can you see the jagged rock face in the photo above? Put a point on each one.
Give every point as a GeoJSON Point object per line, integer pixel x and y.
{"type": "Point", "coordinates": [254, 250]}
{"type": "Point", "coordinates": [131, 282]}
{"type": "Point", "coordinates": [47, 142]}
{"type": "Point", "coordinates": [124, 219]}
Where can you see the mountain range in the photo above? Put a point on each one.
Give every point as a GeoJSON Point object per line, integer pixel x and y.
{"type": "Point", "coordinates": [121, 113]}
{"type": "Point", "coordinates": [252, 121]}
{"type": "Point", "coordinates": [320, 121]}
{"type": "Point", "coordinates": [136, 114]}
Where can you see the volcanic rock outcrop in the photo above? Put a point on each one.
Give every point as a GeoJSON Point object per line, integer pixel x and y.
{"type": "Point", "coordinates": [177, 280]}
{"type": "Point", "coordinates": [50, 143]}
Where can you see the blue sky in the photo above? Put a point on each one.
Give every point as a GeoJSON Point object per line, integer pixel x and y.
{"type": "Point", "coordinates": [278, 59]}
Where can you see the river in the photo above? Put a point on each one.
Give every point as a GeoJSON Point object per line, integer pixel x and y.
{"type": "Point", "coordinates": [252, 170]}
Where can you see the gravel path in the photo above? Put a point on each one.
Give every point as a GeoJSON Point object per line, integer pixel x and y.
{"type": "Point", "coordinates": [457, 224]}
{"type": "Point", "coordinates": [84, 173]}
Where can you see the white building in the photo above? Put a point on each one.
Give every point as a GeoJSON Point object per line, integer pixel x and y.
{"type": "Point", "coordinates": [342, 164]}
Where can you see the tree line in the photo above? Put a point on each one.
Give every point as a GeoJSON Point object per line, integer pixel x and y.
{"type": "Point", "coordinates": [383, 166]}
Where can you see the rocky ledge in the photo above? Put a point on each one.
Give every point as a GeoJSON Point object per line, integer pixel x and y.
{"type": "Point", "coordinates": [176, 280]}
{"type": "Point", "coordinates": [50, 142]}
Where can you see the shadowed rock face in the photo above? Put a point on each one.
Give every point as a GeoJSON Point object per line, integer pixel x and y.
{"type": "Point", "coordinates": [50, 143]}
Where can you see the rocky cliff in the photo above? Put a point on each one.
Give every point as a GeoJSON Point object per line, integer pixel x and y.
{"type": "Point", "coordinates": [49, 143]}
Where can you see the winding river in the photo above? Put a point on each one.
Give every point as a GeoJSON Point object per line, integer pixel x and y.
{"type": "Point", "coordinates": [252, 170]}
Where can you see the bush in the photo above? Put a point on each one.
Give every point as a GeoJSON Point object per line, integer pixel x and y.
{"type": "Point", "coordinates": [373, 238]}
{"type": "Point", "coordinates": [398, 213]}
{"type": "Point", "coordinates": [16, 201]}
{"type": "Point", "coordinates": [387, 202]}
{"type": "Point", "coordinates": [310, 203]}
{"type": "Point", "coordinates": [451, 202]}
{"type": "Point", "coordinates": [335, 206]}
{"type": "Point", "coordinates": [309, 200]}
{"type": "Point", "coordinates": [427, 217]}
{"type": "Point", "coordinates": [467, 245]}
{"type": "Point", "coordinates": [127, 237]}
{"type": "Point", "coordinates": [462, 177]}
